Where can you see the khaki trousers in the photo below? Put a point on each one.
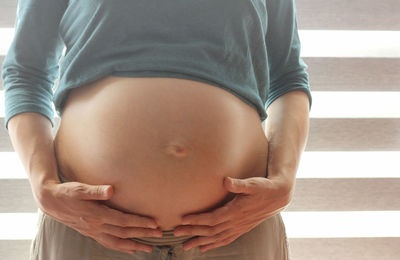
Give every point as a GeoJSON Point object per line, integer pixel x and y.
{"type": "Point", "coordinates": [56, 241]}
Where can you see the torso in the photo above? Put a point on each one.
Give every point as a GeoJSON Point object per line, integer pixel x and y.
{"type": "Point", "coordinates": [165, 144]}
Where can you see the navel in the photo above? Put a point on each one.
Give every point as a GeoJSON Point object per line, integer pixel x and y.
{"type": "Point", "coordinates": [177, 149]}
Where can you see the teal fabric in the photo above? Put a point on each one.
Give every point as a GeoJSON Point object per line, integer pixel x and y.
{"type": "Point", "coordinates": [248, 47]}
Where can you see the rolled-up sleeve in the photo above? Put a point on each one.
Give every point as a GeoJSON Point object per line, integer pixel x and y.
{"type": "Point", "coordinates": [287, 69]}
{"type": "Point", "coordinates": [31, 67]}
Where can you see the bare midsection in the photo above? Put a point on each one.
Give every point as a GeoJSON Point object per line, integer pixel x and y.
{"type": "Point", "coordinates": [165, 144]}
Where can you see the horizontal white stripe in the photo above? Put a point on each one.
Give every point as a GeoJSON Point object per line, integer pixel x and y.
{"type": "Point", "coordinates": [338, 164]}
{"type": "Point", "coordinates": [15, 226]}
{"type": "Point", "coordinates": [6, 36]}
{"type": "Point", "coordinates": [355, 104]}
{"type": "Point", "coordinates": [334, 224]}
{"type": "Point", "coordinates": [336, 104]}
{"type": "Point", "coordinates": [315, 43]}
{"type": "Point", "coordinates": [349, 43]}
{"type": "Point", "coordinates": [11, 166]}
{"type": "Point", "coordinates": [368, 164]}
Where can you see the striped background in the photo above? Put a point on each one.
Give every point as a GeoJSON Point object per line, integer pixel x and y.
{"type": "Point", "coordinates": [346, 204]}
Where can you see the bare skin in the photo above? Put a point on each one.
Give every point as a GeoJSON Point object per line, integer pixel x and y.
{"type": "Point", "coordinates": [164, 146]}
{"type": "Point", "coordinates": [257, 198]}
{"type": "Point", "coordinates": [75, 204]}
{"type": "Point", "coordinates": [160, 142]}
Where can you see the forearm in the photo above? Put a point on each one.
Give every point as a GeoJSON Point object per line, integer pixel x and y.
{"type": "Point", "coordinates": [286, 129]}
{"type": "Point", "coordinates": [31, 137]}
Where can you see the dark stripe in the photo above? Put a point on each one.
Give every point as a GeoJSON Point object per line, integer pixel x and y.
{"type": "Point", "coordinates": [8, 12]}
{"type": "Point", "coordinates": [16, 196]}
{"type": "Point", "coordinates": [349, 134]}
{"type": "Point", "coordinates": [348, 15]}
{"type": "Point", "coordinates": [312, 14]}
{"type": "Point", "coordinates": [384, 248]}
{"type": "Point", "coordinates": [14, 249]}
{"type": "Point", "coordinates": [346, 194]}
{"type": "Point", "coordinates": [354, 74]}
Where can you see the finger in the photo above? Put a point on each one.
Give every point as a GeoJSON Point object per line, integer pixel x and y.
{"type": "Point", "coordinates": [220, 243]}
{"type": "Point", "coordinates": [201, 230]}
{"type": "Point", "coordinates": [198, 241]}
{"type": "Point", "coordinates": [215, 217]}
{"type": "Point", "coordinates": [247, 186]}
{"type": "Point", "coordinates": [90, 192]}
{"type": "Point", "coordinates": [124, 232]}
{"type": "Point", "coordinates": [118, 218]}
{"type": "Point", "coordinates": [66, 220]}
{"type": "Point", "coordinates": [120, 244]}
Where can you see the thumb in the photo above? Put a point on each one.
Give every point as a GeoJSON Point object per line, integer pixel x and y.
{"type": "Point", "coordinates": [96, 192]}
{"type": "Point", "coordinates": [237, 185]}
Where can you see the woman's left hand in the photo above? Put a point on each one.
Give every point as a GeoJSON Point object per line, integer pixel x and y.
{"type": "Point", "coordinates": [256, 199]}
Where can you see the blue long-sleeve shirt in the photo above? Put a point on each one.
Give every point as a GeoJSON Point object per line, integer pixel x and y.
{"type": "Point", "coordinates": [248, 47]}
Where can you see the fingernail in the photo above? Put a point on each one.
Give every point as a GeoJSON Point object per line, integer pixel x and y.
{"type": "Point", "coordinates": [152, 225]}
{"type": "Point", "coordinates": [105, 190]}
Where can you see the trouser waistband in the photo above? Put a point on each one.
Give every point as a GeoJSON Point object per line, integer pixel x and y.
{"type": "Point", "coordinates": [167, 239]}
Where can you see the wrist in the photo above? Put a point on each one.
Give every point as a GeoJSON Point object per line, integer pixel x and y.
{"type": "Point", "coordinates": [42, 185]}
{"type": "Point", "coordinates": [40, 178]}
{"type": "Point", "coordinates": [285, 177]}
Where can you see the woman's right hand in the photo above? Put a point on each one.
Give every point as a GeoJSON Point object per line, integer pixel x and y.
{"type": "Point", "coordinates": [79, 206]}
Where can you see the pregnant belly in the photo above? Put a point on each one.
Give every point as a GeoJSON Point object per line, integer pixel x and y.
{"type": "Point", "coordinates": [164, 144]}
